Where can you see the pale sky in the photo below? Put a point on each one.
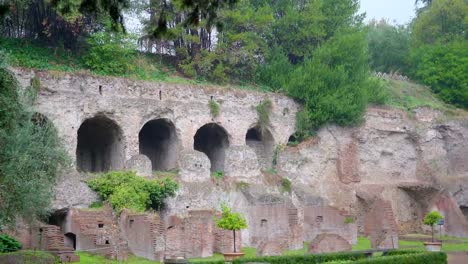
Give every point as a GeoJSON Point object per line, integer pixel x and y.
{"type": "Point", "coordinates": [395, 11]}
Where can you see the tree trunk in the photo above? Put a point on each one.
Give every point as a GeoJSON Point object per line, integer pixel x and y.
{"type": "Point", "coordinates": [234, 232]}
{"type": "Point", "coordinates": [432, 233]}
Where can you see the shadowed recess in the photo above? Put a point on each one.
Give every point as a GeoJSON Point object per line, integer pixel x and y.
{"type": "Point", "coordinates": [99, 145]}
{"type": "Point", "coordinates": [212, 139]}
{"type": "Point", "coordinates": [261, 141]}
{"type": "Point", "coordinates": [158, 141]}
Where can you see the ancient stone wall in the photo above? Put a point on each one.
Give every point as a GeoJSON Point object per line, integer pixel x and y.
{"type": "Point", "coordinates": [409, 163]}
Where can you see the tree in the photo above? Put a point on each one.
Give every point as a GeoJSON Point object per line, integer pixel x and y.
{"type": "Point", "coordinates": [31, 154]}
{"type": "Point", "coordinates": [431, 219]}
{"type": "Point", "coordinates": [443, 67]}
{"type": "Point", "coordinates": [442, 22]}
{"type": "Point", "coordinates": [388, 47]}
{"type": "Point", "coordinates": [439, 57]}
{"type": "Point", "coordinates": [231, 221]}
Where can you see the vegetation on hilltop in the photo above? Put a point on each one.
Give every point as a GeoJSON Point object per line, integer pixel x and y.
{"type": "Point", "coordinates": [431, 50]}
{"type": "Point", "coordinates": [318, 52]}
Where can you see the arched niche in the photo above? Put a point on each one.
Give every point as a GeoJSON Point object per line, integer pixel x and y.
{"type": "Point", "coordinates": [99, 147]}
{"type": "Point", "coordinates": [262, 142]}
{"type": "Point", "coordinates": [212, 139]}
{"type": "Point", "coordinates": [158, 141]}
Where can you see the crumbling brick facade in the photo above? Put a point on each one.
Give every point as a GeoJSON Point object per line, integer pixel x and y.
{"type": "Point", "coordinates": [275, 222]}
{"type": "Point", "coordinates": [50, 238]}
{"type": "Point", "coordinates": [325, 243]}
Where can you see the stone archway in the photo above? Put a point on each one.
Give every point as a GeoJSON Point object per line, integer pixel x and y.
{"type": "Point", "coordinates": [99, 147]}
{"type": "Point", "coordinates": [262, 142]}
{"type": "Point", "coordinates": [158, 141]}
{"type": "Point", "coordinates": [212, 139]}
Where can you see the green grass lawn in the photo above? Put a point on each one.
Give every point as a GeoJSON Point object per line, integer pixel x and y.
{"type": "Point", "coordinates": [86, 258]}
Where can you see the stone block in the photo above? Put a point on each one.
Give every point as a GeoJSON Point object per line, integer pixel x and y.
{"type": "Point", "coordinates": [242, 163]}
{"type": "Point", "coordinates": [194, 166]}
{"type": "Point", "coordinates": [140, 164]}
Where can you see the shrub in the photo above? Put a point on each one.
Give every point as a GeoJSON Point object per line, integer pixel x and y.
{"type": "Point", "coordinates": [263, 111]}
{"type": "Point", "coordinates": [28, 257]}
{"type": "Point", "coordinates": [214, 108]}
{"type": "Point", "coordinates": [31, 154]}
{"type": "Point", "coordinates": [443, 67]}
{"type": "Point", "coordinates": [349, 220]}
{"type": "Point", "coordinates": [333, 84]}
{"type": "Point", "coordinates": [286, 185]}
{"type": "Point", "coordinates": [110, 53]}
{"type": "Point", "coordinates": [9, 244]}
{"type": "Point", "coordinates": [319, 258]}
{"type": "Point", "coordinates": [412, 258]}
{"type": "Point", "coordinates": [125, 189]}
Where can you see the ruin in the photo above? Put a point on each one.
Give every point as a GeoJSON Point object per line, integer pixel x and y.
{"type": "Point", "coordinates": [376, 180]}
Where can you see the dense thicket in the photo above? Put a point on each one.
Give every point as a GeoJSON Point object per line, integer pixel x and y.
{"type": "Point", "coordinates": [31, 154]}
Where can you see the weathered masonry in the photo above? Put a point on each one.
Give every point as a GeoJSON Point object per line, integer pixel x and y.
{"type": "Point", "coordinates": [106, 121]}
{"type": "Point", "coordinates": [376, 180]}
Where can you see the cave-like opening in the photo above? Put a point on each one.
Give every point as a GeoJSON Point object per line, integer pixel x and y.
{"type": "Point", "coordinates": [158, 141]}
{"type": "Point", "coordinates": [99, 146]}
{"type": "Point", "coordinates": [212, 139]}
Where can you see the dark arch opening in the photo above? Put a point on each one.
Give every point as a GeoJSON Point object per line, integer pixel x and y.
{"type": "Point", "coordinates": [70, 240]}
{"type": "Point", "coordinates": [212, 139]}
{"type": "Point", "coordinates": [464, 210]}
{"type": "Point", "coordinates": [99, 145]}
{"type": "Point", "coordinates": [158, 141]}
{"type": "Point", "coordinates": [261, 141]}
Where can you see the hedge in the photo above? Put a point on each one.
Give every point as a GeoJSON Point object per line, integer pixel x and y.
{"type": "Point", "coordinates": [208, 262]}
{"type": "Point", "coordinates": [414, 258]}
{"type": "Point", "coordinates": [28, 257]}
{"type": "Point", "coordinates": [319, 258]}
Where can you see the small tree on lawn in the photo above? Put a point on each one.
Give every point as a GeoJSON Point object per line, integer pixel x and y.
{"type": "Point", "coordinates": [231, 221]}
{"type": "Point", "coordinates": [431, 219]}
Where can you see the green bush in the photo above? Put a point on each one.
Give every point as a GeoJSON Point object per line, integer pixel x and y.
{"type": "Point", "coordinates": [320, 258]}
{"type": "Point", "coordinates": [124, 189]}
{"type": "Point", "coordinates": [333, 84]}
{"type": "Point", "coordinates": [110, 53]}
{"type": "Point", "coordinates": [414, 258]}
{"type": "Point", "coordinates": [31, 154]}
{"type": "Point", "coordinates": [9, 244]}
{"type": "Point", "coordinates": [444, 67]}
{"type": "Point", "coordinates": [28, 257]}
{"type": "Point", "coordinates": [286, 185]}
{"type": "Point", "coordinates": [214, 108]}
{"type": "Point", "coordinates": [263, 112]}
